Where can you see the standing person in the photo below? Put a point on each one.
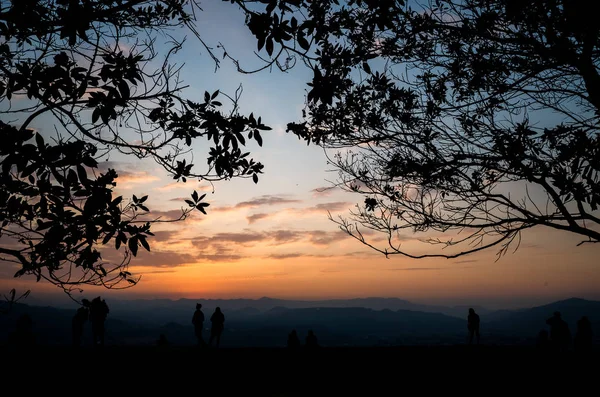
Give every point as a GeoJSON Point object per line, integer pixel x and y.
{"type": "Point", "coordinates": [311, 340]}
{"type": "Point", "coordinates": [198, 321]}
{"type": "Point", "coordinates": [293, 341]}
{"type": "Point", "coordinates": [98, 312]}
{"type": "Point", "coordinates": [79, 319]}
{"type": "Point", "coordinates": [473, 325]}
{"type": "Point", "coordinates": [217, 319]}
{"type": "Point", "coordinates": [560, 334]}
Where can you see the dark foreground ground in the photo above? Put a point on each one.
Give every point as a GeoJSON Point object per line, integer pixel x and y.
{"type": "Point", "coordinates": [386, 371]}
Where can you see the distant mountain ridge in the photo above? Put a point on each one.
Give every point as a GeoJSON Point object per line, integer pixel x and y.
{"type": "Point", "coordinates": [268, 324]}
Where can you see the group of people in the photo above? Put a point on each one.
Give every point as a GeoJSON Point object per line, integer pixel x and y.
{"type": "Point", "coordinates": [218, 324]}
{"type": "Point", "coordinates": [559, 337]}
{"type": "Point", "coordinates": [293, 341]}
{"type": "Point", "coordinates": [96, 312]}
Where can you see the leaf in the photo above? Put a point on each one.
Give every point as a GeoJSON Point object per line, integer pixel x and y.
{"type": "Point", "coordinates": [82, 174]}
{"type": "Point", "coordinates": [195, 196]}
{"type": "Point", "coordinates": [143, 199]}
{"type": "Point", "coordinates": [269, 46]}
{"type": "Point", "coordinates": [302, 42]}
{"type": "Point", "coordinates": [258, 138]}
{"type": "Point", "coordinates": [107, 238]}
{"type": "Point", "coordinates": [366, 67]}
{"type": "Point", "coordinates": [255, 178]}
{"type": "Point", "coordinates": [240, 138]}
{"type": "Point", "coordinates": [206, 97]}
{"type": "Point", "coordinates": [190, 203]}
{"type": "Point", "coordinates": [133, 245]}
{"type": "Point", "coordinates": [144, 243]}
{"type": "Point", "coordinates": [215, 94]}
{"type": "Point", "coordinates": [124, 90]}
{"type": "Point", "coordinates": [39, 139]}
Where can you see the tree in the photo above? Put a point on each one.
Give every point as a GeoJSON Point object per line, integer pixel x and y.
{"type": "Point", "coordinates": [468, 120]}
{"type": "Point", "coordinates": [92, 69]}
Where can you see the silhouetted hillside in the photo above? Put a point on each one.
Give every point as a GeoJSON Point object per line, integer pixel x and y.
{"type": "Point", "coordinates": [159, 311]}
{"type": "Point", "coordinates": [334, 326]}
{"type": "Point", "coordinates": [528, 322]}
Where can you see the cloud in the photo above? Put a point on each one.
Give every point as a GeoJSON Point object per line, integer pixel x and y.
{"type": "Point", "coordinates": [256, 217]}
{"type": "Point", "coordinates": [164, 235]}
{"type": "Point", "coordinates": [169, 215]}
{"type": "Point", "coordinates": [466, 261]}
{"type": "Point", "coordinates": [324, 191]}
{"type": "Point", "coordinates": [411, 269]}
{"type": "Point", "coordinates": [162, 259]}
{"type": "Point", "coordinates": [191, 186]}
{"type": "Point", "coordinates": [126, 175]}
{"type": "Point", "coordinates": [320, 237]}
{"type": "Point", "coordinates": [152, 258]}
{"type": "Point", "coordinates": [236, 238]}
{"type": "Point", "coordinates": [333, 206]}
{"type": "Point", "coordinates": [261, 201]}
{"type": "Point", "coordinates": [225, 246]}
{"type": "Point", "coordinates": [265, 200]}
{"type": "Point", "coordinates": [317, 209]}
{"type": "Point", "coordinates": [286, 255]}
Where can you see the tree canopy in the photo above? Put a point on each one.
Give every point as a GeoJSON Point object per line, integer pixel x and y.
{"type": "Point", "coordinates": [467, 120]}
{"type": "Point", "coordinates": [92, 71]}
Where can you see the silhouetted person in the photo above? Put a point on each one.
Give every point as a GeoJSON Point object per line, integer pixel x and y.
{"type": "Point", "coordinates": [584, 335]}
{"type": "Point", "coordinates": [98, 312]}
{"type": "Point", "coordinates": [79, 319]}
{"type": "Point", "coordinates": [217, 319]}
{"type": "Point", "coordinates": [542, 342]}
{"type": "Point", "coordinates": [198, 321]}
{"type": "Point", "coordinates": [23, 335]}
{"type": "Point", "coordinates": [473, 325]}
{"type": "Point", "coordinates": [559, 332]}
{"type": "Point", "coordinates": [293, 341]}
{"type": "Point", "coordinates": [311, 340]}
{"type": "Point", "coordinates": [162, 341]}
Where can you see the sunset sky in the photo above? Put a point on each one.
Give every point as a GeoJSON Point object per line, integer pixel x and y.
{"type": "Point", "coordinates": [274, 239]}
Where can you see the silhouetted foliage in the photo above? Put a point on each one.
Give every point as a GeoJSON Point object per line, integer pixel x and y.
{"type": "Point", "coordinates": [91, 70]}
{"type": "Point", "coordinates": [470, 116]}
{"type": "Point", "coordinates": [10, 300]}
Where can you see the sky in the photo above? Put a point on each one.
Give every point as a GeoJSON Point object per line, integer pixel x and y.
{"type": "Point", "coordinates": [274, 238]}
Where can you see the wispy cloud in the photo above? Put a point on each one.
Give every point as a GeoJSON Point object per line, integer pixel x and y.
{"type": "Point", "coordinates": [321, 208]}
{"type": "Point", "coordinates": [324, 191]}
{"type": "Point", "coordinates": [127, 174]}
{"type": "Point", "coordinates": [262, 201]}
{"type": "Point", "coordinates": [320, 237]}
{"type": "Point", "coordinates": [190, 186]}
{"type": "Point", "coordinates": [257, 217]}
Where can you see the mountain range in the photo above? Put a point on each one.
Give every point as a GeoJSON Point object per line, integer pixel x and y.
{"type": "Point", "coordinates": [266, 322]}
